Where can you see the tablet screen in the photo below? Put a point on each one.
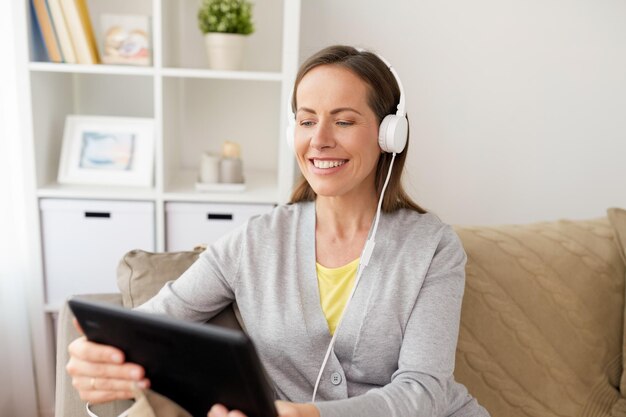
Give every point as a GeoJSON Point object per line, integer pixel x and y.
{"type": "Point", "coordinates": [195, 365]}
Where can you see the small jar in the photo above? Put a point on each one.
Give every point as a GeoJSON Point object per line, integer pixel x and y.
{"type": "Point", "coordinates": [210, 168]}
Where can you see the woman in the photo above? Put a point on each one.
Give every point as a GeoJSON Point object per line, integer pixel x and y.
{"type": "Point", "coordinates": [292, 271]}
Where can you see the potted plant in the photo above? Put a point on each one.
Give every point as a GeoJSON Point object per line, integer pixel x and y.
{"type": "Point", "coordinates": [225, 24]}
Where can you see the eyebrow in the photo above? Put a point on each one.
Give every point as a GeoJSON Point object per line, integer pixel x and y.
{"type": "Point", "coordinates": [334, 111]}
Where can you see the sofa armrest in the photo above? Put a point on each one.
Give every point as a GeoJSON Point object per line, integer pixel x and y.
{"type": "Point", "coordinates": [67, 401]}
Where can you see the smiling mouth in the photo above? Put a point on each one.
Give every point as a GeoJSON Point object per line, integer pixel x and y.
{"type": "Point", "coordinates": [326, 164]}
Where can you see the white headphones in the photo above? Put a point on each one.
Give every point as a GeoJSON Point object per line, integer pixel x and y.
{"type": "Point", "coordinates": [392, 132]}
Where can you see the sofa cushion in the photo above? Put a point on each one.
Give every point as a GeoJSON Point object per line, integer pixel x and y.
{"type": "Point", "coordinates": [617, 217]}
{"type": "Point", "coordinates": [141, 274]}
{"type": "Point", "coordinates": [542, 318]}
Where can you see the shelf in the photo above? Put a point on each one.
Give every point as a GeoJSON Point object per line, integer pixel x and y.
{"type": "Point", "coordinates": [261, 187]}
{"type": "Point", "coordinates": [151, 71]}
{"type": "Point", "coordinates": [223, 75]}
{"type": "Point", "coordinates": [91, 69]}
{"type": "Point", "coordinates": [99, 192]}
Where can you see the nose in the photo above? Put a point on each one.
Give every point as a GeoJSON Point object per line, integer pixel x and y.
{"type": "Point", "coordinates": [322, 136]}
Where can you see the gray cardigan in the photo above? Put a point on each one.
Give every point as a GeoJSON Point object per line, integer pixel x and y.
{"type": "Point", "coordinates": [394, 354]}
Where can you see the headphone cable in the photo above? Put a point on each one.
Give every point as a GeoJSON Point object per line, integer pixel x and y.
{"type": "Point", "coordinates": [365, 258]}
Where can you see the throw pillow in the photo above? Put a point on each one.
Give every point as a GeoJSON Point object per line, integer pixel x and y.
{"type": "Point", "coordinates": [141, 274]}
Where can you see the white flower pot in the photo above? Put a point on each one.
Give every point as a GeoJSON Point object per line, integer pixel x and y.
{"type": "Point", "coordinates": [225, 50]}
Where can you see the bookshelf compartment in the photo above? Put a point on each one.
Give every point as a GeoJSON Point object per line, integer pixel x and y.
{"type": "Point", "coordinates": [96, 9]}
{"type": "Point", "coordinates": [183, 42]}
{"type": "Point", "coordinates": [56, 95]}
{"type": "Point", "coordinates": [244, 112]}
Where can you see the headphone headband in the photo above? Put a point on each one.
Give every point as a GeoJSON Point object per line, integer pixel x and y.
{"type": "Point", "coordinates": [401, 102]}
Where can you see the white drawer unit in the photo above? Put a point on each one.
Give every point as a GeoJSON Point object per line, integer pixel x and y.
{"type": "Point", "coordinates": [84, 240]}
{"type": "Point", "coordinates": [192, 224]}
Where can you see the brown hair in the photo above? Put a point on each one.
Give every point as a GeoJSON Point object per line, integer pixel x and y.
{"type": "Point", "coordinates": [383, 98]}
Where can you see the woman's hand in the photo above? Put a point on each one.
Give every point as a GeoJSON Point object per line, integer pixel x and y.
{"type": "Point", "coordinates": [284, 408]}
{"type": "Point", "coordinates": [99, 373]}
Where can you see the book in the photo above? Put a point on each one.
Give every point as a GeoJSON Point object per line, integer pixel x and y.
{"type": "Point", "coordinates": [80, 29]}
{"type": "Point", "coordinates": [60, 27]}
{"type": "Point", "coordinates": [47, 30]}
{"type": "Point", "coordinates": [39, 52]}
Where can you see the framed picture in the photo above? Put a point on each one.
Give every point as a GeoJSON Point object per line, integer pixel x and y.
{"type": "Point", "coordinates": [126, 39]}
{"type": "Point", "coordinates": [107, 151]}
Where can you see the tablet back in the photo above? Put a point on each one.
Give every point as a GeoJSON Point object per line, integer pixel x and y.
{"type": "Point", "coordinates": [195, 365]}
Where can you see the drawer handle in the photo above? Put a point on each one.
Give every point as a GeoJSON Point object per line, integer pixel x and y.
{"type": "Point", "coordinates": [97, 214]}
{"type": "Point", "coordinates": [215, 216]}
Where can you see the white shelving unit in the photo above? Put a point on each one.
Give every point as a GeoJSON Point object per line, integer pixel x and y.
{"type": "Point", "coordinates": [195, 109]}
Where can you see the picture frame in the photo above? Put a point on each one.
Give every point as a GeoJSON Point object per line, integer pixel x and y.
{"type": "Point", "coordinates": [100, 150]}
{"type": "Point", "coordinates": [126, 39]}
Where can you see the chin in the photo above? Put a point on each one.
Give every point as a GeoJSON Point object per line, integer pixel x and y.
{"type": "Point", "coordinates": [326, 191]}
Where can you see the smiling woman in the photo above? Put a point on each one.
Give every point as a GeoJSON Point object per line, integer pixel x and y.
{"type": "Point", "coordinates": [344, 327]}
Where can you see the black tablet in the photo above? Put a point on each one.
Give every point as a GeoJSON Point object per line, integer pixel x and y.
{"type": "Point", "coordinates": [195, 365]}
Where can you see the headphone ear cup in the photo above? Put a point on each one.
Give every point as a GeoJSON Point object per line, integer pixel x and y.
{"type": "Point", "coordinates": [393, 133]}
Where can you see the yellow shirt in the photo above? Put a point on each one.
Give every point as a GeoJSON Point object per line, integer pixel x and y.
{"type": "Point", "coordinates": [335, 285]}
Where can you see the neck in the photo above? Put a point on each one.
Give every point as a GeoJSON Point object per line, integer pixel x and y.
{"type": "Point", "coordinates": [345, 216]}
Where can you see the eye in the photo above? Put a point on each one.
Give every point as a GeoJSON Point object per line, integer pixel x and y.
{"type": "Point", "coordinates": [306, 123]}
{"type": "Point", "coordinates": [344, 123]}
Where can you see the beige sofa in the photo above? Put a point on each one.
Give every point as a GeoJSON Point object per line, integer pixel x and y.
{"type": "Point", "coordinates": [542, 326]}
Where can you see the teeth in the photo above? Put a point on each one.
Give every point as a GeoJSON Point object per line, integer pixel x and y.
{"type": "Point", "coordinates": [327, 164]}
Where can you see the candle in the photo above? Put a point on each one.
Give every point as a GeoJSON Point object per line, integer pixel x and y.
{"type": "Point", "coordinates": [231, 150]}
{"type": "Point", "coordinates": [231, 166]}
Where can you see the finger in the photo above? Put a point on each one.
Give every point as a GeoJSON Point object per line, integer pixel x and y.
{"type": "Point", "coordinates": [107, 384]}
{"type": "Point", "coordinates": [289, 409]}
{"type": "Point", "coordinates": [218, 410]}
{"type": "Point", "coordinates": [97, 397]}
{"type": "Point", "coordinates": [129, 371]}
{"type": "Point", "coordinates": [77, 326]}
{"type": "Point", "coordinates": [94, 352]}
{"type": "Point", "coordinates": [236, 413]}
{"type": "Point", "coordinates": [284, 408]}
{"type": "Point", "coordinates": [281, 406]}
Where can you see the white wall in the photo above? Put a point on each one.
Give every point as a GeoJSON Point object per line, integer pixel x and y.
{"type": "Point", "coordinates": [517, 108]}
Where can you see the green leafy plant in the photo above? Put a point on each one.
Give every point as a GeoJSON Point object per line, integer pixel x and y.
{"type": "Point", "coordinates": [226, 16]}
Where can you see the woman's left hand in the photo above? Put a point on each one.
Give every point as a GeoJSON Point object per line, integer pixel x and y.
{"type": "Point", "coordinates": [284, 408]}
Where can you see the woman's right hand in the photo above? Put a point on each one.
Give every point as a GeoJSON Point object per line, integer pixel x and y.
{"type": "Point", "coordinates": [99, 373]}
